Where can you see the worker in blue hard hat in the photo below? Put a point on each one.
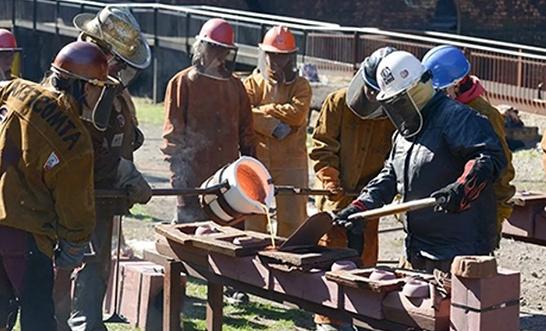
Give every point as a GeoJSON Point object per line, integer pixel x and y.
{"type": "Point", "coordinates": [451, 73]}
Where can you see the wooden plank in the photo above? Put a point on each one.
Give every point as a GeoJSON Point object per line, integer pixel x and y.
{"type": "Point", "coordinates": [215, 305]}
{"type": "Point", "coordinates": [223, 243]}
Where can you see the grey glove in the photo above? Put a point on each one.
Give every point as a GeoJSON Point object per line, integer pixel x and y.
{"type": "Point", "coordinates": [69, 255]}
{"type": "Point", "coordinates": [130, 179]}
{"type": "Point", "coordinates": [281, 131]}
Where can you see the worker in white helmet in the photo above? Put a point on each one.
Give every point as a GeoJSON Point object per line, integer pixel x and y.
{"type": "Point", "coordinates": [442, 149]}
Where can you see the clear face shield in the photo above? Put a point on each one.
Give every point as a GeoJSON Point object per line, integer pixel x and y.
{"type": "Point", "coordinates": [124, 72]}
{"type": "Point", "coordinates": [404, 114]}
{"type": "Point", "coordinates": [214, 61]}
{"type": "Point", "coordinates": [10, 64]}
{"type": "Point", "coordinates": [278, 68]}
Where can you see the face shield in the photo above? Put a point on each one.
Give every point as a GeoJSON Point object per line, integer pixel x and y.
{"type": "Point", "coordinates": [124, 72]}
{"type": "Point", "coordinates": [10, 64]}
{"type": "Point", "coordinates": [214, 61]}
{"type": "Point", "coordinates": [361, 100]}
{"type": "Point", "coordinates": [404, 113]}
{"type": "Point", "coordinates": [101, 109]}
{"type": "Point", "coordinates": [278, 68]}
{"type": "Point", "coordinates": [97, 97]}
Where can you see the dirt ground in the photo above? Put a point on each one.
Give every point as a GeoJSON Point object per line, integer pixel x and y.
{"type": "Point", "coordinates": [529, 259]}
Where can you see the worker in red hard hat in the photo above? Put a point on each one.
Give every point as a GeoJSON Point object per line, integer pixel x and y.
{"type": "Point", "coordinates": [280, 101]}
{"type": "Point", "coordinates": [208, 120]}
{"type": "Point", "coordinates": [47, 210]}
{"type": "Point", "coordinates": [9, 55]}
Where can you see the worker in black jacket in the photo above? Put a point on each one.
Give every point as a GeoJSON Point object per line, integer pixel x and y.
{"type": "Point", "coordinates": [442, 149]}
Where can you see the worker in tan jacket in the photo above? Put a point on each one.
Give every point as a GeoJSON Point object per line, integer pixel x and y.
{"type": "Point", "coordinates": [46, 180]}
{"type": "Point", "coordinates": [280, 101]}
{"type": "Point", "coordinates": [351, 140]}
{"type": "Point", "coordinates": [450, 72]}
{"type": "Point", "coordinates": [208, 121]}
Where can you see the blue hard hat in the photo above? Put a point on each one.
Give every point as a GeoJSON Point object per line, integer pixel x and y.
{"type": "Point", "coordinates": [447, 64]}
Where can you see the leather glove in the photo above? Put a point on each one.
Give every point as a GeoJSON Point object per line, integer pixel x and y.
{"type": "Point", "coordinates": [69, 255]}
{"type": "Point", "coordinates": [354, 226]}
{"type": "Point", "coordinates": [281, 131]}
{"type": "Point", "coordinates": [130, 179]}
{"type": "Point", "coordinates": [456, 197]}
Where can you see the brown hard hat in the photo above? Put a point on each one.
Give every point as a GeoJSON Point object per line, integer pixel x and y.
{"type": "Point", "coordinates": [83, 60]}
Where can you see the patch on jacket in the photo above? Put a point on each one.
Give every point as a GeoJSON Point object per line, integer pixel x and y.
{"type": "Point", "coordinates": [117, 140]}
{"type": "Point", "coordinates": [3, 113]}
{"type": "Point", "coordinates": [52, 161]}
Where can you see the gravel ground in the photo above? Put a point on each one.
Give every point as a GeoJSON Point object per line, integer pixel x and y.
{"type": "Point", "coordinates": [528, 258]}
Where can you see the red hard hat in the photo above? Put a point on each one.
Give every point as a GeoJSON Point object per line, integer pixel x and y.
{"type": "Point", "coordinates": [7, 41]}
{"type": "Point", "coordinates": [82, 60]}
{"type": "Point", "coordinates": [279, 40]}
{"type": "Point", "coordinates": [217, 31]}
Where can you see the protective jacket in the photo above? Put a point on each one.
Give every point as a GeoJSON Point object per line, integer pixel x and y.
{"type": "Point", "coordinates": [286, 159]}
{"type": "Point", "coordinates": [452, 135]}
{"type": "Point", "coordinates": [46, 166]}
{"type": "Point", "coordinates": [504, 191]}
{"type": "Point", "coordinates": [356, 150]}
{"type": "Point", "coordinates": [208, 122]}
{"type": "Point", "coordinates": [290, 152]}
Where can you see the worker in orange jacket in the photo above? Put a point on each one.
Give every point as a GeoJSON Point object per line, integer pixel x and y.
{"type": "Point", "coordinates": [280, 101]}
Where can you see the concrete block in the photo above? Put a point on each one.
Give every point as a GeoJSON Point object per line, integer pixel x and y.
{"type": "Point", "coordinates": [486, 304]}
{"type": "Point", "coordinates": [429, 313]}
{"type": "Point", "coordinates": [486, 292]}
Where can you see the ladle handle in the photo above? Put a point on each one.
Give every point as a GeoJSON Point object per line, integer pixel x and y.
{"type": "Point", "coordinates": [396, 208]}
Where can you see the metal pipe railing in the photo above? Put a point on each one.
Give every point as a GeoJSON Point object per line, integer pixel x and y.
{"type": "Point", "coordinates": [511, 72]}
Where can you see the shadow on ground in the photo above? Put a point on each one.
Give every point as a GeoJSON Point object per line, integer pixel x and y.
{"type": "Point", "coordinates": [532, 322]}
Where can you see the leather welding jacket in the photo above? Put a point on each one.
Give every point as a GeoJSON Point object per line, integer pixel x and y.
{"type": "Point", "coordinates": [286, 159]}
{"type": "Point", "coordinates": [452, 135]}
{"type": "Point", "coordinates": [208, 122]}
{"type": "Point", "coordinates": [355, 149]}
{"type": "Point", "coordinates": [46, 163]}
{"type": "Point", "coordinates": [290, 152]}
{"type": "Point", "coordinates": [504, 191]}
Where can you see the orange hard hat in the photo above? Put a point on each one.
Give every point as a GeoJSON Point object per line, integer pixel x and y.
{"type": "Point", "coordinates": [279, 40]}
{"type": "Point", "coordinates": [7, 41]}
{"type": "Point", "coordinates": [82, 60]}
{"type": "Point", "coordinates": [217, 31]}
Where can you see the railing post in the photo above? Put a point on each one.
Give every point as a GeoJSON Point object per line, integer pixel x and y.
{"type": "Point", "coordinates": [188, 46]}
{"type": "Point", "coordinates": [57, 14]}
{"type": "Point", "coordinates": [520, 70]}
{"type": "Point", "coordinates": [34, 14]}
{"type": "Point", "coordinates": [154, 58]}
{"type": "Point", "coordinates": [356, 43]}
{"type": "Point", "coordinates": [13, 12]}
{"type": "Point", "coordinates": [305, 41]}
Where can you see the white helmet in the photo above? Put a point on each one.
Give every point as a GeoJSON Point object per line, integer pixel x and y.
{"type": "Point", "coordinates": [398, 72]}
